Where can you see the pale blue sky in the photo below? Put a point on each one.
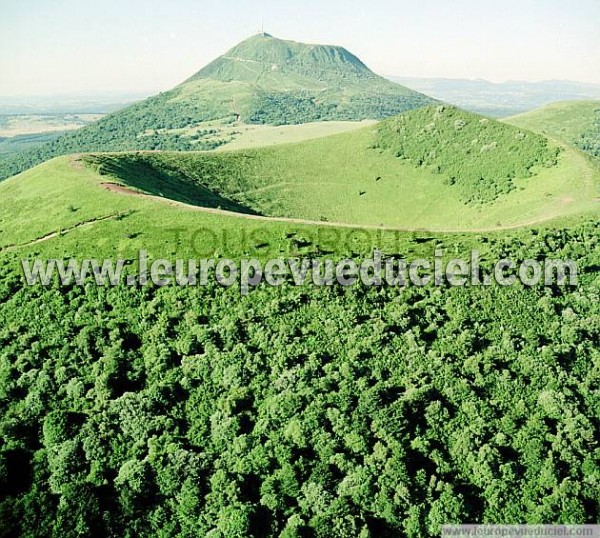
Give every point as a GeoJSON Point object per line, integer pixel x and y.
{"type": "Point", "coordinates": [80, 46]}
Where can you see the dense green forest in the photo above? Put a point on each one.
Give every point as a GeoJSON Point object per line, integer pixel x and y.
{"type": "Point", "coordinates": [295, 412]}
{"type": "Point", "coordinates": [140, 126]}
{"type": "Point", "coordinates": [302, 107]}
{"type": "Point", "coordinates": [16, 144]}
{"type": "Point", "coordinates": [589, 141]}
{"type": "Point", "coordinates": [153, 124]}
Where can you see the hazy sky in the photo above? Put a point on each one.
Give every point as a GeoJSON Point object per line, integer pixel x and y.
{"type": "Point", "coordinates": [82, 46]}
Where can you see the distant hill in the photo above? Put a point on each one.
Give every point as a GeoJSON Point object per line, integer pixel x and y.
{"type": "Point", "coordinates": [269, 80]}
{"type": "Point", "coordinates": [575, 122]}
{"type": "Point", "coordinates": [500, 99]}
{"type": "Point", "coordinates": [263, 80]}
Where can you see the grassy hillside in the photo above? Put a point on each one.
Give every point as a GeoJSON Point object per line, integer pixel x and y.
{"type": "Point", "coordinates": [256, 136]}
{"type": "Point", "coordinates": [295, 83]}
{"type": "Point", "coordinates": [263, 80]}
{"type": "Point", "coordinates": [346, 178]}
{"type": "Point", "coordinates": [309, 411]}
{"type": "Point", "coordinates": [269, 61]}
{"type": "Point", "coordinates": [482, 157]}
{"type": "Point", "coordinates": [62, 208]}
{"type": "Point", "coordinates": [574, 122]}
{"type": "Point", "coordinates": [358, 177]}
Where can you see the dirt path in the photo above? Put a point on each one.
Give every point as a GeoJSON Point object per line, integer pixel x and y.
{"type": "Point", "coordinates": [280, 185]}
{"type": "Point", "coordinates": [52, 235]}
{"type": "Point", "coordinates": [123, 190]}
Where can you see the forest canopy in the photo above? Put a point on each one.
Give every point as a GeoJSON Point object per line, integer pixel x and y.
{"type": "Point", "coordinates": [294, 412]}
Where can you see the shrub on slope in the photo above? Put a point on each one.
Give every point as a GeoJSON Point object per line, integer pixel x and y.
{"type": "Point", "coordinates": [482, 157]}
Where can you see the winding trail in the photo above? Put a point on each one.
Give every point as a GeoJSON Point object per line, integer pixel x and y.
{"type": "Point", "coordinates": [52, 235]}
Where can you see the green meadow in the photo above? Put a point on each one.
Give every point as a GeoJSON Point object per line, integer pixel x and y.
{"type": "Point", "coordinates": [574, 122]}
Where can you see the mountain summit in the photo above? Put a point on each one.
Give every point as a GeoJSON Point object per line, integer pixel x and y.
{"type": "Point", "coordinates": [265, 59]}
{"type": "Point", "coordinates": [262, 80]}
{"type": "Point", "coordinates": [268, 80]}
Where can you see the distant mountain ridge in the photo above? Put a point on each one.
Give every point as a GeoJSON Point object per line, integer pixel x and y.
{"type": "Point", "coordinates": [499, 99]}
{"type": "Point", "coordinates": [262, 80]}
